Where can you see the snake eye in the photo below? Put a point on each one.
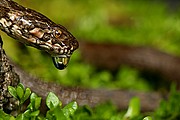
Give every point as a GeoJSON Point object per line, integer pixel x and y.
{"type": "Point", "coordinates": [58, 33]}
{"type": "Point", "coordinates": [61, 62]}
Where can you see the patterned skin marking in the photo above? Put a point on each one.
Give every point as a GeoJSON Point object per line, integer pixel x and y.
{"type": "Point", "coordinates": [34, 29]}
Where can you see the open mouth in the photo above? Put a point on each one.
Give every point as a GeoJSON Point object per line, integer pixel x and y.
{"type": "Point", "coordinates": [61, 61]}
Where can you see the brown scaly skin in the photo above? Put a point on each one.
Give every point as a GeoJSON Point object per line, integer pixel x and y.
{"type": "Point", "coordinates": [34, 29]}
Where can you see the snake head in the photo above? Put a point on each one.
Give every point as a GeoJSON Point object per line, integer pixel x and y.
{"type": "Point", "coordinates": [57, 41]}
{"type": "Point", "coordinates": [34, 29]}
{"type": "Point", "coordinates": [64, 43]}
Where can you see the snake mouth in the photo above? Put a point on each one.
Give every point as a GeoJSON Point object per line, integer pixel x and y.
{"type": "Point", "coordinates": [61, 61]}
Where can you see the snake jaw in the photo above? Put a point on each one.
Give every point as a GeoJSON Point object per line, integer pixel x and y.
{"type": "Point", "coordinates": [61, 61]}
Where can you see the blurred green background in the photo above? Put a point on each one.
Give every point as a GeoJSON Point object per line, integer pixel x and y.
{"type": "Point", "coordinates": [153, 23]}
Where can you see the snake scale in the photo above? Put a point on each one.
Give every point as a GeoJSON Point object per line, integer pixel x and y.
{"type": "Point", "coordinates": [34, 29]}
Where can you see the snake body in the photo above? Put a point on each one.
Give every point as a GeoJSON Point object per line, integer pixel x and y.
{"type": "Point", "coordinates": [34, 29]}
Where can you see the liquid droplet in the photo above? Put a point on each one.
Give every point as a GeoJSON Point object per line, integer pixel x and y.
{"type": "Point", "coordinates": [61, 62]}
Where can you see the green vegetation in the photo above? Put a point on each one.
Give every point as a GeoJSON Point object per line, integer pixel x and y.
{"type": "Point", "coordinates": [32, 112]}
{"type": "Point", "coordinates": [168, 110]}
{"type": "Point", "coordinates": [145, 23]}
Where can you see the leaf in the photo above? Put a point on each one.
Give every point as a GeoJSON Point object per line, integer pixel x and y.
{"type": "Point", "coordinates": [49, 115]}
{"type": "Point", "coordinates": [20, 117]}
{"type": "Point", "coordinates": [52, 101]}
{"type": "Point", "coordinates": [12, 91]}
{"type": "Point", "coordinates": [12, 118]}
{"type": "Point", "coordinates": [33, 97]}
{"type": "Point", "coordinates": [27, 113]}
{"type": "Point", "coordinates": [21, 85]}
{"type": "Point", "coordinates": [58, 113]}
{"type": "Point", "coordinates": [35, 113]}
{"type": "Point", "coordinates": [148, 118]}
{"type": "Point", "coordinates": [32, 105]}
{"type": "Point", "coordinates": [23, 117]}
{"type": "Point", "coordinates": [26, 94]}
{"type": "Point", "coordinates": [4, 116]}
{"type": "Point", "coordinates": [20, 92]}
{"type": "Point", "coordinates": [37, 103]}
{"type": "Point", "coordinates": [133, 109]}
{"type": "Point", "coordinates": [70, 108]}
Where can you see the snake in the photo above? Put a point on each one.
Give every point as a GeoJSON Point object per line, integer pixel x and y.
{"type": "Point", "coordinates": [35, 29]}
